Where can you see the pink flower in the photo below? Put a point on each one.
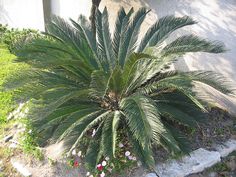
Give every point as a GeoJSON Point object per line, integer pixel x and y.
{"type": "Point", "coordinates": [99, 167]}
{"type": "Point", "coordinates": [130, 157]}
{"type": "Point", "coordinates": [76, 163]}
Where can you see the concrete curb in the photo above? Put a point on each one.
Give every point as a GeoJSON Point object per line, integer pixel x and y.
{"type": "Point", "coordinates": [196, 162]}
{"type": "Point", "coordinates": [20, 168]}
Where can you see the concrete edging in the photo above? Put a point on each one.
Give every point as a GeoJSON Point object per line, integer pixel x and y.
{"type": "Point", "coordinates": [196, 162]}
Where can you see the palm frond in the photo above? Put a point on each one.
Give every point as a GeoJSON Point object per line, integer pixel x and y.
{"type": "Point", "coordinates": [144, 154]}
{"type": "Point", "coordinates": [104, 39]}
{"type": "Point", "coordinates": [94, 153]}
{"type": "Point", "coordinates": [137, 110]}
{"type": "Point", "coordinates": [108, 140]}
{"type": "Point", "coordinates": [191, 43]}
{"type": "Point", "coordinates": [128, 43]}
{"type": "Point", "coordinates": [162, 29]}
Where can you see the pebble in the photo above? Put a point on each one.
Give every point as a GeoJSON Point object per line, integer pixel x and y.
{"type": "Point", "coordinates": [21, 168]}
{"type": "Point", "coordinates": [13, 145]}
{"type": "Point", "coordinates": [7, 138]}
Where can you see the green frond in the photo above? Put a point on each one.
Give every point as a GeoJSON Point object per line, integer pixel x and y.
{"type": "Point", "coordinates": [212, 79]}
{"type": "Point", "coordinates": [83, 124]}
{"type": "Point", "coordinates": [73, 39]}
{"type": "Point", "coordinates": [117, 33]}
{"type": "Point", "coordinates": [87, 34]}
{"type": "Point", "coordinates": [104, 39]}
{"type": "Point", "coordinates": [191, 43]}
{"type": "Point", "coordinates": [182, 141]}
{"type": "Point", "coordinates": [166, 110]}
{"type": "Point", "coordinates": [141, 72]}
{"type": "Point", "coordinates": [162, 29]}
{"type": "Point", "coordinates": [120, 30]}
{"type": "Point", "coordinates": [94, 152]}
{"type": "Point", "coordinates": [144, 154]}
{"type": "Point", "coordinates": [128, 42]}
{"type": "Point", "coordinates": [138, 110]}
{"type": "Point", "coordinates": [116, 83]}
{"type": "Point", "coordinates": [98, 85]}
{"type": "Point", "coordinates": [180, 101]}
{"type": "Point", "coordinates": [107, 136]}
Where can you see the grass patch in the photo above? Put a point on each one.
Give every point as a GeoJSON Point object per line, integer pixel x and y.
{"type": "Point", "coordinates": [7, 104]}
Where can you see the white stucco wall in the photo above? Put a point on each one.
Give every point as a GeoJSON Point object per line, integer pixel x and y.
{"type": "Point", "coordinates": [216, 21]}
{"type": "Point", "coordinates": [22, 13]}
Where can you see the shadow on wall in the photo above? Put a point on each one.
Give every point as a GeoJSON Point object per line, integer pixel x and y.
{"type": "Point", "coordinates": [217, 21]}
{"type": "Point", "coordinates": [4, 17]}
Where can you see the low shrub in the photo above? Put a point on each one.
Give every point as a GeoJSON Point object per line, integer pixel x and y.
{"type": "Point", "coordinates": [91, 90]}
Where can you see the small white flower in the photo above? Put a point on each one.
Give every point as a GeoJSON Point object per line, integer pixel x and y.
{"type": "Point", "coordinates": [26, 110]}
{"type": "Point", "coordinates": [121, 145]}
{"type": "Point", "coordinates": [127, 153]}
{"type": "Point", "coordinates": [139, 163]}
{"type": "Point", "coordinates": [130, 157]}
{"type": "Point", "coordinates": [134, 158]}
{"type": "Point", "coordinates": [94, 133]}
{"type": "Point", "coordinates": [21, 115]}
{"type": "Point", "coordinates": [73, 152]}
{"type": "Point", "coordinates": [88, 173]}
{"type": "Point", "coordinates": [104, 163]}
{"type": "Point", "coordinates": [102, 174]}
{"type": "Point", "coordinates": [91, 176]}
{"type": "Point", "coordinates": [30, 131]}
{"type": "Point", "coordinates": [79, 154]}
{"type": "Point", "coordinates": [107, 158]}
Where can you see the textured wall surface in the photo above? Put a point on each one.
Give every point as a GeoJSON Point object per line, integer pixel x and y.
{"type": "Point", "coordinates": [216, 21]}
{"type": "Point", "coordinates": [22, 13]}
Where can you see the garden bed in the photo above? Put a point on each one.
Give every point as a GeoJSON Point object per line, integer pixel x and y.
{"type": "Point", "coordinates": [218, 128]}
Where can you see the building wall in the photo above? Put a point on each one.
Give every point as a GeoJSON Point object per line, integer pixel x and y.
{"type": "Point", "coordinates": [22, 13]}
{"type": "Point", "coordinates": [216, 21]}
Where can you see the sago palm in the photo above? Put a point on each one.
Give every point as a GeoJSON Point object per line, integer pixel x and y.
{"type": "Point", "coordinates": [116, 85]}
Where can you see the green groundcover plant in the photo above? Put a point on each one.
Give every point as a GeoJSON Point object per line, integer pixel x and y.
{"type": "Point", "coordinates": [109, 87]}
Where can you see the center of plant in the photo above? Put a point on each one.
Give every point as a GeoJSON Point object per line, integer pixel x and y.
{"type": "Point", "coordinates": [110, 101]}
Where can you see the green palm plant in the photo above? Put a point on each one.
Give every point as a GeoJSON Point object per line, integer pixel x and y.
{"type": "Point", "coordinates": [114, 84]}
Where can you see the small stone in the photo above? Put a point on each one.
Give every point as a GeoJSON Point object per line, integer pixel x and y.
{"type": "Point", "coordinates": [7, 138]}
{"type": "Point", "coordinates": [21, 168]}
{"type": "Point", "coordinates": [213, 174]}
{"type": "Point", "coordinates": [6, 129]}
{"type": "Point", "coordinates": [231, 164]}
{"type": "Point", "coordinates": [14, 141]}
{"type": "Point", "coordinates": [226, 148]}
{"type": "Point", "coordinates": [13, 145]}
